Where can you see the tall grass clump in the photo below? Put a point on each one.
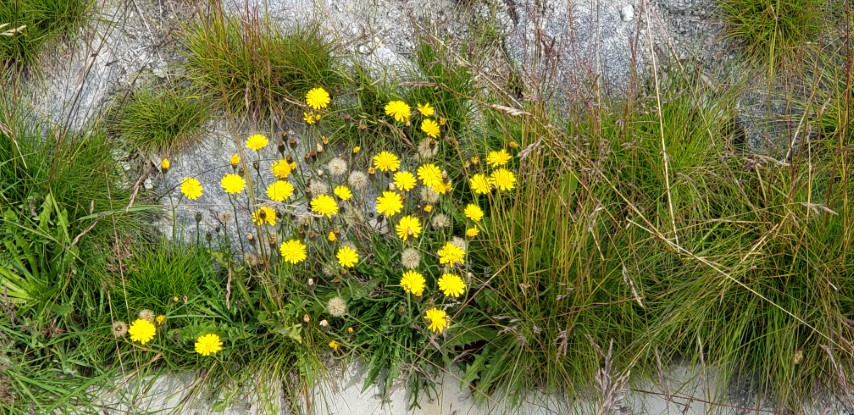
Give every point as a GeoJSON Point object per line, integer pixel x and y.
{"type": "Point", "coordinates": [774, 31]}
{"type": "Point", "coordinates": [34, 23]}
{"type": "Point", "coordinates": [161, 118]}
{"type": "Point", "coordinates": [253, 66]}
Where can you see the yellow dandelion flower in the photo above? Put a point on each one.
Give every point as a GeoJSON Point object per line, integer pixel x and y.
{"type": "Point", "coordinates": [293, 251]}
{"type": "Point", "coordinates": [498, 158]}
{"type": "Point", "coordinates": [347, 257]}
{"type": "Point", "coordinates": [191, 188]}
{"type": "Point", "coordinates": [404, 180]}
{"type": "Point", "coordinates": [443, 187]}
{"type": "Point", "coordinates": [473, 212]}
{"type": "Point", "coordinates": [430, 127]}
{"type": "Point", "coordinates": [208, 344]}
{"type": "Point", "coordinates": [164, 165]}
{"type": "Point", "coordinates": [480, 184]}
{"type": "Point", "coordinates": [438, 319]}
{"type": "Point", "coordinates": [264, 214]}
{"type": "Point", "coordinates": [428, 208]}
{"type": "Point", "coordinates": [451, 254]}
{"type": "Point", "coordinates": [142, 331]}
{"type": "Point", "coordinates": [343, 192]}
{"type": "Point", "coordinates": [413, 283]}
{"type": "Point", "coordinates": [334, 345]}
{"type": "Point", "coordinates": [408, 226]}
{"type": "Point", "coordinates": [256, 142]}
{"type": "Point", "coordinates": [443, 121]}
{"type": "Point", "coordinates": [310, 117]}
{"type": "Point", "coordinates": [280, 190]}
{"type": "Point", "coordinates": [514, 144]}
{"type": "Point", "coordinates": [282, 169]}
{"type": "Point", "coordinates": [357, 149]}
{"type": "Point", "coordinates": [386, 161]}
{"type": "Point", "coordinates": [399, 110]}
{"type": "Point", "coordinates": [232, 183]}
{"type": "Point", "coordinates": [452, 285]}
{"type": "Point", "coordinates": [331, 237]}
{"type": "Point", "coordinates": [324, 205]}
{"type": "Point", "coordinates": [234, 160]}
{"type": "Point", "coordinates": [472, 232]}
{"type": "Point", "coordinates": [389, 204]}
{"type": "Point", "coordinates": [430, 175]}
{"type": "Point", "coordinates": [317, 98]}
{"type": "Point", "coordinates": [426, 109]}
{"type": "Point", "coordinates": [503, 179]}
{"type": "Point", "coordinates": [160, 319]}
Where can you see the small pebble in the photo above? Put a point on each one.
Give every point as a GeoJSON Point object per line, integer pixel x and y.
{"type": "Point", "coordinates": [627, 13]}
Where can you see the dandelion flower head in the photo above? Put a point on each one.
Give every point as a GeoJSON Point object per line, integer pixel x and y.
{"type": "Point", "coordinates": [165, 164]}
{"type": "Point", "coordinates": [426, 109]}
{"type": "Point", "coordinates": [347, 257]}
{"type": "Point", "coordinates": [282, 168]}
{"type": "Point", "coordinates": [480, 184]}
{"type": "Point", "coordinates": [264, 214]}
{"type": "Point", "coordinates": [440, 221]}
{"type": "Point", "coordinates": [337, 166]}
{"type": "Point", "coordinates": [343, 192]}
{"type": "Point", "coordinates": [438, 319]}
{"type": "Point", "coordinates": [256, 142]}
{"type": "Point", "coordinates": [472, 232]}
{"type": "Point", "coordinates": [386, 161]}
{"type": "Point", "coordinates": [191, 188]}
{"type": "Point", "coordinates": [430, 175]}
{"type": "Point", "coordinates": [324, 205]}
{"type": "Point", "coordinates": [430, 127]}
{"type": "Point", "coordinates": [452, 285]}
{"type": "Point", "coordinates": [413, 283]}
{"type": "Point", "coordinates": [208, 344]}
{"type": "Point", "coordinates": [232, 183]}
{"type": "Point", "coordinates": [498, 158]}
{"type": "Point", "coordinates": [234, 160]}
{"type": "Point", "coordinates": [451, 254]}
{"type": "Point", "coordinates": [317, 98]}
{"type": "Point", "coordinates": [503, 179]}
{"type": "Point", "coordinates": [293, 251]}
{"type": "Point", "coordinates": [334, 345]}
{"type": "Point", "coordinates": [358, 179]}
{"type": "Point", "coordinates": [142, 331]}
{"type": "Point", "coordinates": [398, 110]}
{"type": "Point", "coordinates": [280, 190]}
{"type": "Point", "coordinates": [336, 307]}
{"type": "Point", "coordinates": [120, 328]}
{"type": "Point", "coordinates": [404, 180]}
{"type": "Point", "coordinates": [473, 212]}
{"type": "Point", "coordinates": [409, 226]}
{"type": "Point", "coordinates": [389, 204]}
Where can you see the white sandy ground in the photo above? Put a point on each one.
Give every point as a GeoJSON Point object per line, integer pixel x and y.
{"type": "Point", "coordinates": [687, 392]}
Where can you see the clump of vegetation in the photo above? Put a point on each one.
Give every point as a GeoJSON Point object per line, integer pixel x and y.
{"type": "Point", "coordinates": [161, 119]}
{"type": "Point", "coordinates": [252, 66]}
{"type": "Point", "coordinates": [27, 25]}
{"type": "Point", "coordinates": [774, 31]}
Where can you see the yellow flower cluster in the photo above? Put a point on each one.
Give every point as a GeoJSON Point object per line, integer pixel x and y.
{"type": "Point", "coordinates": [500, 178]}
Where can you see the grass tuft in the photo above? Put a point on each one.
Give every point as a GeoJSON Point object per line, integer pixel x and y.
{"type": "Point", "coordinates": [36, 23]}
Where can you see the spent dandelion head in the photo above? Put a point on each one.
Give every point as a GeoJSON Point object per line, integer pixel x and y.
{"type": "Point", "coordinates": [119, 328]}
{"type": "Point", "coordinates": [428, 195]}
{"type": "Point", "coordinates": [337, 166]}
{"type": "Point", "coordinates": [440, 221]}
{"type": "Point", "coordinates": [410, 258]}
{"type": "Point", "coordinates": [317, 187]}
{"type": "Point", "coordinates": [427, 148]}
{"type": "Point", "coordinates": [358, 180]}
{"type": "Point", "coordinates": [336, 307]}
